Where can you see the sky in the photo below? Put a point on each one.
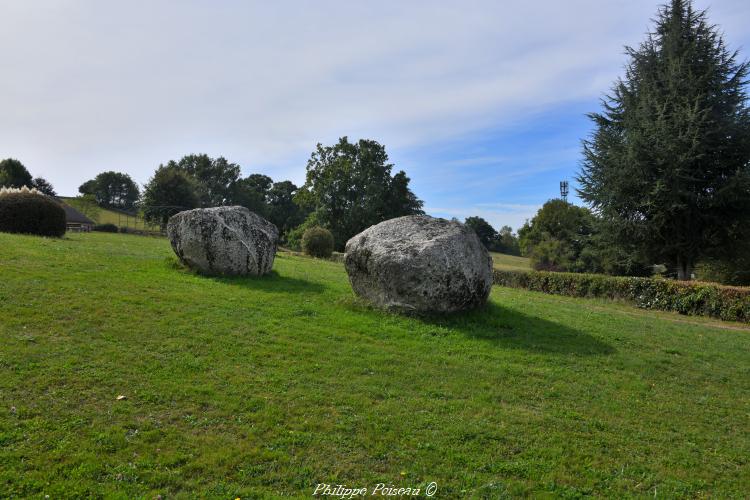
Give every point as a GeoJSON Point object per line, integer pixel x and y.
{"type": "Point", "coordinates": [482, 103]}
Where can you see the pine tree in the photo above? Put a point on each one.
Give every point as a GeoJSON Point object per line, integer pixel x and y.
{"type": "Point", "coordinates": [668, 164]}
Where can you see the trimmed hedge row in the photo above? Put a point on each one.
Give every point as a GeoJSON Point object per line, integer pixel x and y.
{"type": "Point", "coordinates": [694, 298]}
{"type": "Point", "coordinates": [105, 228]}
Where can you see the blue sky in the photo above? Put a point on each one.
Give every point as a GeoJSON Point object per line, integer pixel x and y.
{"type": "Point", "coordinates": [482, 103]}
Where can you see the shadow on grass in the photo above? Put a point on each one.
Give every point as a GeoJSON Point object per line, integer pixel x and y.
{"type": "Point", "coordinates": [272, 282]}
{"type": "Point", "coordinates": [512, 329]}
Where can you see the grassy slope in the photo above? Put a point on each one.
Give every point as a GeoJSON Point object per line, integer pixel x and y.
{"type": "Point", "coordinates": [119, 219]}
{"type": "Point", "coordinates": [512, 262]}
{"type": "Point", "coordinates": [242, 387]}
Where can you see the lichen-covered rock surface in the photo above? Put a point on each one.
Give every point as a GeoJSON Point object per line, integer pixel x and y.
{"type": "Point", "coordinates": [224, 240]}
{"type": "Point", "coordinates": [419, 264]}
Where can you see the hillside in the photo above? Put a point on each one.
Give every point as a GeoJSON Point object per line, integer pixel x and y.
{"type": "Point", "coordinates": [510, 262]}
{"type": "Point", "coordinates": [116, 217]}
{"type": "Point", "coordinates": [265, 387]}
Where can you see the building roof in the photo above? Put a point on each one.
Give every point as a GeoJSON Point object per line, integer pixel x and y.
{"type": "Point", "coordinates": [73, 215]}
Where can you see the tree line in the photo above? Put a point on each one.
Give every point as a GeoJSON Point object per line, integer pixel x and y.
{"type": "Point", "coordinates": [349, 186]}
{"type": "Point", "coordinates": [502, 241]}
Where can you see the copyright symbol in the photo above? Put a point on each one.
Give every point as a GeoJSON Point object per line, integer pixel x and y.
{"type": "Point", "coordinates": [431, 489]}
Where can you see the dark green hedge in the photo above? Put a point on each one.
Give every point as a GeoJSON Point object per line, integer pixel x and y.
{"type": "Point", "coordinates": [105, 228]}
{"type": "Point", "coordinates": [695, 298]}
{"type": "Point", "coordinates": [31, 213]}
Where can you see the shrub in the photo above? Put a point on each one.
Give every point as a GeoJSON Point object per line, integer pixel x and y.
{"type": "Point", "coordinates": [105, 228]}
{"type": "Point", "coordinates": [28, 211]}
{"type": "Point", "coordinates": [694, 298]}
{"type": "Point", "coordinates": [552, 255]}
{"type": "Point", "coordinates": [734, 271]}
{"type": "Point", "coordinates": [294, 236]}
{"type": "Point", "coordinates": [318, 242]}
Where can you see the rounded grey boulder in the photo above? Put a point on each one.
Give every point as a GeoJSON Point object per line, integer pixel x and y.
{"type": "Point", "coordinates": [224, 240]}
{"type": "Point", "coordinates": [419, 264]}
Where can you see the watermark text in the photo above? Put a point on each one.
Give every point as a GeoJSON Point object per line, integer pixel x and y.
{"type": "Point", "coordinates": [345, 492]}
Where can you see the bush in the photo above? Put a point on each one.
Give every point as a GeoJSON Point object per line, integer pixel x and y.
{"type": "Point", "coordinates": [105, 228]}
{"type": "Point", "coordinates": [294, 236]}
{"type": "Point", "coordinates": [24, 211]}
{"type": "Point", "coordinates": [318, 242]}
{"type": "Point", "coordinates": [694, 298]}
{"type": "Point", "coordinates": [552, 255]}
{"type": "Point", "coordinates": [734, 271]}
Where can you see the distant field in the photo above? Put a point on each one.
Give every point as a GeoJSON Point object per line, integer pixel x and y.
{"type": "Point", "coordinates": [119, 219]}
{"type": "Point", "coordinates": [512, 262]}
{"type": "Point", "coordinates": [257, 388]}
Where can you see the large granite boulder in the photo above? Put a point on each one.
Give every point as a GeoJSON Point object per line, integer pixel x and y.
{"type": "Point", "coordinates": [419, 264]}
{"type": "Point", "coordinates": [224, 240]}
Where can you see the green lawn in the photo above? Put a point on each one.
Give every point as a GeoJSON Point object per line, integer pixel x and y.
{"type": "Point", "coordinates": [118, 218]}
{"type": "Point", "coordinates": [510, 262]}
{"type": "Point", "coordinates": [264, 387]}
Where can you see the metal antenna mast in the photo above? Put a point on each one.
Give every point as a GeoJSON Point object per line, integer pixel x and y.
{"type": "Point", "coordinates": [564, 190]}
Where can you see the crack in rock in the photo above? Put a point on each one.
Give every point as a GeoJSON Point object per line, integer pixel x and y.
{"type": "Point", "coordinates": [224, 240]}
{"type": "Point", "coordinates": [419, 264]}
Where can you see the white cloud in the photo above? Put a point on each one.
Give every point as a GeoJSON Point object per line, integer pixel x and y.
{"type": "Point", "coordinates": [91, 85]}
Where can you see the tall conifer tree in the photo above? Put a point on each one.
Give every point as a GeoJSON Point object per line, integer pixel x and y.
{"type": "Point", "coordinates": [668, 164]}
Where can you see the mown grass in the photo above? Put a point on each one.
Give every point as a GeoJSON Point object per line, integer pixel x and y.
{"type": "Point", "coordinates": [510, 262]}
{"type": "Point", "coordinates": [119, 219]}
{"type": "Point", "coordinates": [265, 387]}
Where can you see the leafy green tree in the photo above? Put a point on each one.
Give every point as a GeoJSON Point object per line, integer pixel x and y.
{"type": "Point", "coordinates": [14, 174]}
{"type": "Point", "coordinates": [668, 166]}
{"type": "Point", "coordinates": [402, 200]}
{"type": "Point", "coordinates": [349, 187]}
{"type": "Point", "coordinates": [603, 253]}
{"type": "Point", "coordinates": [88, 187]}
{"type": "Point", "coordinates": [486, 233]}
{"type": "Point", "coordinates": [507, 242]}
{"type": "Point", "coordinates": [556, 236]}
{"type": "Point", "coordinates": [87, 205]}
{"type": "Point", "coordinates": [43, 186]}
{"type": "Point", "coordinates": [254, 193]}
{"type": "Point", "coordinates": [214, 177]}
{"type": "Point", "coordinates": [112, 189]}
{"type": "Point", "coordinates": [169, 191]}
{"type": "Point", "coordinates": [260, 183]}
{"type": "Point", "coordinates": [734, 271]}
{"type": "Point", "coordinates": [294, 236]}
{"type": "Point", "coordinates": [282, 209]}
{"type": "Point", "coordinates": [245, 192]}
{"type": "Point", "coordinates": [551, 254]}
{"type": "Point", "coordinates": [217, 182]}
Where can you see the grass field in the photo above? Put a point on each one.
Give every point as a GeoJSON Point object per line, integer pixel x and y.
{"type": "Point", "coordinates": [265, 387]}
{"type": "Point", "coordinates": [119, 219]}
{"type": "Point", "coordinates": [511, 262]}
